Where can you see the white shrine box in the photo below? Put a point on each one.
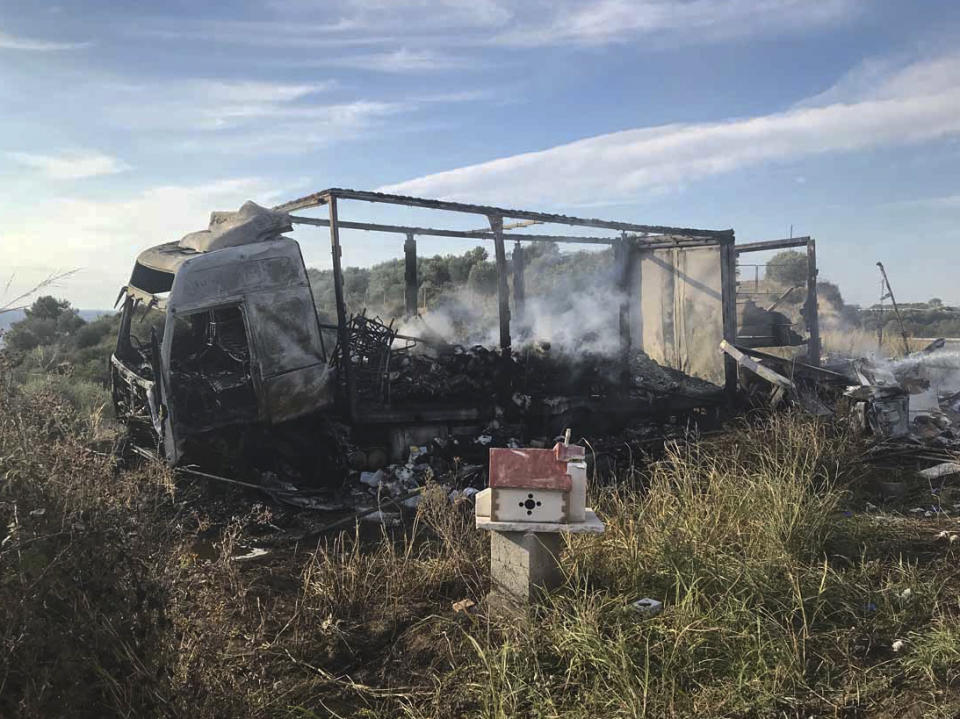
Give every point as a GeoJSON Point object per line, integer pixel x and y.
{"type": "Point", "coordinates": [534, 498]}
{"type": "Point", "coordinates": [536, 486]}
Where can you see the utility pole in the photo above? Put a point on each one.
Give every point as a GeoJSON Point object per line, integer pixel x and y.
{"type": "Point", "coordinates": [896, 310]}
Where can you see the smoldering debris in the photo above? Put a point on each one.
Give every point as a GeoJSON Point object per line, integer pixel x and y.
{"type": "Point", "coordinates": [397, 368]}
{"type": "Point", "coordinates": [450, 371]}
{"type": "Point", "coordinates": [909, 407]}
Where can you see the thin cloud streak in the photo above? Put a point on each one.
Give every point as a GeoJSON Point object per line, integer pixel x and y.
{"type": "Point", "coordinates": [616, 21]}
{"type": "Point", "coordinates": [397, 61]}
{"type": "Point", "coordinates": [651, 159]}
{"type": "Point", "coordinates": [71, 165]}
{"type": "Point", "coordinates": [13, 42]}
{"type": "Point", "coordinates": [511, 23]}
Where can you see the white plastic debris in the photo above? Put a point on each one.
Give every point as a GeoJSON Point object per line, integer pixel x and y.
{"type": "Point", "coordinates": [318, 503]}
{"type": "Point", "coordinates": [392, 488]}
{"type": "Point", "coordinates": [388, 518]}
{"type": "Point", "coordinates": [484, 439]}
{"type": "Point", "coordinates": [252, 554]}
{"type": "Point", "coordinates": [413, 502]}
{"type": "Point", "coordinates": [897, 645]}
{"type": "Point", "coordinates": [647, 607]}
{"type": "Point", "coordinates": [940, 470]}
{"type": "Point", "coordinates": [906, 594]}
{"type": "Point", "coordinates": [372, 479]}
{"type": "Point", "coordinates": [522, 400]}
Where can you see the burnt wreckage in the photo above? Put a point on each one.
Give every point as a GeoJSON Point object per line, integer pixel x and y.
{"type": "Point", "coordinates": [238, 373]}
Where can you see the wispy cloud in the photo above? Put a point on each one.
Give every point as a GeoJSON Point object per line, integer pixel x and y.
{"type": "Point", "coordinates": [395, 61]}
{"type": "Point", "coordinates": [951, 202]}
{"type": "Point", "coordinates": [514, 23]}
{"type": "Point", "coordinates": [424, 15]}
{"type": "Point", "coordinates": [691, 21]}
{"type": "Point", "coordinates": [291, 130]}
{"type": "Point", "coordinates": [254, 117]}
{"type": "Point", "coordinates": [622, 163]}
{"type": "Point", "coordinates": [284, 34]}
{"type": "Point", "coordinates": [890, 78]}
{"type": "Point", "coordinates": [207, 104]}
{"type": "Point", "coordinates": [70, 165]}
{"type": "Point", "coordinates": [13, 42]}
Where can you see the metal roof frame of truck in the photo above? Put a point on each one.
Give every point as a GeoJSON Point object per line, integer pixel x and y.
{"type": "Point", "coordinates": [629, 238]}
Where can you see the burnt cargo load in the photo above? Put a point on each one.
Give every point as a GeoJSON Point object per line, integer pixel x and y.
{"type": "Point", "coordinates": [222, 360]}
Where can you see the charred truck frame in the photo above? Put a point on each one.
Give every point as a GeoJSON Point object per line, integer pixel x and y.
{"type": "Point", "coordinates": [240, 354]}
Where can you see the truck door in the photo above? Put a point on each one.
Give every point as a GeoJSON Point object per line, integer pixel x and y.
{"type": "Point", "coordinates": [211, 374]}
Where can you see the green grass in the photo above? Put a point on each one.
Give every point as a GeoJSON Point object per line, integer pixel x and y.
{"type": "Point", "coordinates": [778, 601]}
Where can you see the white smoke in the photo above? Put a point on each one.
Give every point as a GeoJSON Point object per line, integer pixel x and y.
{"type": "Point", "coordinates": [589, 324]}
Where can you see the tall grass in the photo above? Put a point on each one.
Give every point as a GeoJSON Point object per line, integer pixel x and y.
{"type": "Point", "coordinates": [776, 602]}
{"type": "Point", "coordinates": [855, 342]}
{"type": "Point", "coordinates": [740, 538]}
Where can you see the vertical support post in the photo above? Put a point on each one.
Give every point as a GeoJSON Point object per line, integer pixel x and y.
{"type": "Point", "coordinates": [343, 335]}
{"type": "Point", "coordinates": [623, 260]}
{"type": "Point", "coordinates": [519, 289]}
{"type": "Point", "coordinates": [523, 566]}
{"type": "Point", "coordinates": [812, 307]}
{"type": "Point", "coordinates": [503, 290]}
{"type": "Point", "coordinates": [410, 275]}
{"type": "Point", "coordinates": [728, 289]}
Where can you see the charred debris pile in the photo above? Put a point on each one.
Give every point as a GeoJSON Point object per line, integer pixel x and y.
{"type": "Point", "coordinates": [524, 393]}
{"type": "Point", "coordinates": [908, 408]}
{"type": "Point", "coordinates": [394, 368]}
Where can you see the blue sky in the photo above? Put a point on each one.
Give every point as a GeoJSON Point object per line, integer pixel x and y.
{"type": "Point", "coordinates": [123, 125]}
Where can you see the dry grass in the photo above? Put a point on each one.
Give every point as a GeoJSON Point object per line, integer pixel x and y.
{"type": "Point", "coordinates": [855, 342]}
{"type": "Point", "coordinates": [778, 603]}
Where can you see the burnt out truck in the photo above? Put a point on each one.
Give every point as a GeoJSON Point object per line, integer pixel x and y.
{"type": "Point", "coordinates": [238, 349]}
{"type": "Point", "coordinates": [223, 362]}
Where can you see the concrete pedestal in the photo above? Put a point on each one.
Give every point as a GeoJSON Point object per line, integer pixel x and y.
{"type": "Point", "coordinates": [522, 564]}
{"type": "Point", "coordinates": [524, 557]}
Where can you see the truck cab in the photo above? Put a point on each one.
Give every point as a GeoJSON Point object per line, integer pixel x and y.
{"type": "Point", "coordinates": [218, 332]}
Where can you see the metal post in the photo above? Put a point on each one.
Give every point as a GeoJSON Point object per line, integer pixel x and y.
{"type": "Point", "coordinates": [728, 286]}
{"type": "Point", "coordinates": [814, 347]}
{"type": "Point", "coordinates": [896, 310]}
{"type": "Point", "coordinates": [623, 260]}
{"type": "Point", "coordinates": [503, 290]}
{"type": "Point", "coordinates": [410, 275]}
{"type": "Point", "coordinates": [342, 334]}
{"type": "Point", "coordinates": [519, 290]}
